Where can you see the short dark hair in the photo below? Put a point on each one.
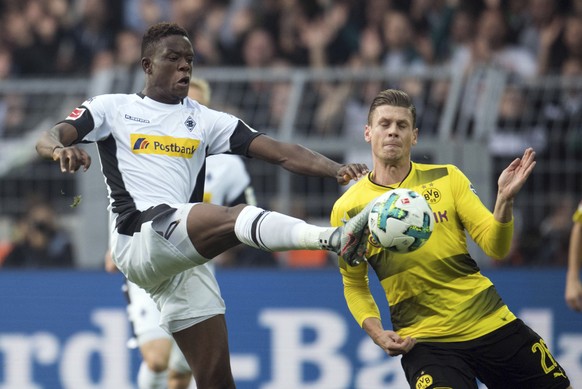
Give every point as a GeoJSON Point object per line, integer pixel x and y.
{"type": "Point", "coordinates": [158, 31]}
{"type": "Point", "coordinates": [395, 98]}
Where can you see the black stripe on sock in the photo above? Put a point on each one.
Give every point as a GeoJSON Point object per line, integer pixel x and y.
{"type": "Point", "coordinates": [255, 229]}
{"type": "Point", "coordinates": [262, 218]}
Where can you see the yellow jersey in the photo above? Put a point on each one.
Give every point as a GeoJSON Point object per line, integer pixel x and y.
{"type": "Point", "coordinates": [436, 293]}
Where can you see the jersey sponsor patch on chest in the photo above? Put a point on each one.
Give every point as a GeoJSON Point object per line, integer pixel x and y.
{"type": "Point", "coordinates": [163, 145]}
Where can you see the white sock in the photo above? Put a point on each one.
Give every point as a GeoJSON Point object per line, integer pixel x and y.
{"type": "Point", "coordinates": [273, 231]}
{"type": "Point", "coordinates": [148, 379]}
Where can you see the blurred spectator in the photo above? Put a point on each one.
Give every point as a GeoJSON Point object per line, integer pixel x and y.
{"type": "Point", "coordinates": [39, 242]}
{"type": "Point", "coordinates": [405, 48]}
{"type": "Point", "coordinates": [18, 34]}
{"type": "Point", "coordinates": [515, 131]}
{"type": "Point", "coordinates": [209, 49]}
{"type": "Point", "coordinates": [6, 63]}
{"type": "Point", "coordinates": [119, 71]}
{"type": "Point", "coordinates": [258, 52]}
{"type": "Point", "coordinates": [573, 37]}
{"type": "Point", "coordinates": [279, 100]}
{"type": "Point", "coordinates": [430, 103]}
{"type": "Point", "coordinates": [13, 116]}
{"type": "Point", "coordinates": [94, 31]}
{"type": "Point", "coordinates": [140, 14]}
{"type": "Point", "coordinates": [564, 113]}
{"type": "Point", "coordinates": [462, 32]}
{"type": "Point", "coordinates": [555, 232]}
{"type": "Point", "coordinates": [542, 35]}
{"type": "Point", "coordinates": [370, 49]}
{"type": "Point", "coordinates": [327, 35]}
{"type": "Point", "coordinates": [434, 17]}
{"type": "Point", "coordinates": [375, 11]}
{"type": "Point", "coordinates": [492, 47]}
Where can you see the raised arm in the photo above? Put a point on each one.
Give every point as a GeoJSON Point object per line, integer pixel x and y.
{"type": "Point", "coordinates": [301, 160]}
{"type": "Point", "coordinates": [57, 144]}
{"type": "Point", "coordinates": [509, 184]}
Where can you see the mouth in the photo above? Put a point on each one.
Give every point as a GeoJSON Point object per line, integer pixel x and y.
{"type": "Point", "coordinates": [184, 81]}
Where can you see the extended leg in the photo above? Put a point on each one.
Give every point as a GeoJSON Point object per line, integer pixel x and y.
{"type": "Point", "coordinates": [205, 346]}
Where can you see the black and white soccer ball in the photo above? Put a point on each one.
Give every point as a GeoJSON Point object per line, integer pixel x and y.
{"type": "Point", "coordinates": [401, 221]}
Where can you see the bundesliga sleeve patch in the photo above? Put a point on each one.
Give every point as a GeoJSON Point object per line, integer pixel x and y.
{"type": "Point", "coordinates": [76, 114]}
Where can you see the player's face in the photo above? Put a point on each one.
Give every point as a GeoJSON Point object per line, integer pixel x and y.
{"type": "Point", "coordinates": [391, 134]}
{"type": "Point", "coordinates": [168, 70]}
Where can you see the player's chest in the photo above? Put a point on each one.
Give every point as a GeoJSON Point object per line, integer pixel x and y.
{"type": "Point", "coordinates": [173, 134]}
{"type": "Point", "coordinates": [181, 123]}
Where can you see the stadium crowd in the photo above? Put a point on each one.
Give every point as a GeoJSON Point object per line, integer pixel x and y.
{"type": "Point", "coordinates": [524, 38]}
{"type": "Point", "coordinates": [78, 37]}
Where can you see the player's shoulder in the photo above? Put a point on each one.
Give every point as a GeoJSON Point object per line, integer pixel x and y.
{"type": "Point", "coordinates": [434, 166]}
{"type": "Point", "coordinates": [355, 195]}
{"type": "Point", "coordinates": [433, 171]}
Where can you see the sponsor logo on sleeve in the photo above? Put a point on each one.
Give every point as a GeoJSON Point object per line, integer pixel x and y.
{"type": "Point", "coordinates": [76, 114]}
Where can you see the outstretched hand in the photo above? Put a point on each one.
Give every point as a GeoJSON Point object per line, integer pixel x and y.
{"type": "Point", "coordinates": [514, 176]}
{"type": "Point", "coordinates": [72, 158]}
{"type": "Point", "coordinates": [351, 171]}
{"type": "Point", "coordinates": [573, 293]}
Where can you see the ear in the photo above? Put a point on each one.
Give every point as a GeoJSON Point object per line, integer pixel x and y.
{"type": "Point", "coordinates": [146, 65]}
{"type": "Point", "coordinates": [367, 133]}
{"type": "Point", "coordinates": [415, 136]}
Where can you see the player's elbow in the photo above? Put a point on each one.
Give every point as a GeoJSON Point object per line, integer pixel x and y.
{"type": "Point", "coordinates": [499, 252]}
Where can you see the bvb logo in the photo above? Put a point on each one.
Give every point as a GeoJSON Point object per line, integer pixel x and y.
{"type": "Point", "coordinates": [424, 381]}
{"type": "Point", "coordinates": [432, 195]}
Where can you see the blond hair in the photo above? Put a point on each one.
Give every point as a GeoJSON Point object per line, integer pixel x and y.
{"type": "Point", "coordinates": [203, 88]}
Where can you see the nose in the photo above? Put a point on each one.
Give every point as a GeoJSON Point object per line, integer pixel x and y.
{"type": "Point", "coordinates": [185, 65]}
{"type": "Point", "coordinates": [393, 130]}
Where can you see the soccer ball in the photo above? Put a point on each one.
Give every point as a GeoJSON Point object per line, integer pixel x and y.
{"type": "Point", "coordinates": [400, 221]}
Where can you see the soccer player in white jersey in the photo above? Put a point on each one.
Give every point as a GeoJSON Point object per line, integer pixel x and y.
{"type": "Point", "coordinates": [152, 147]}
{"type": "Point", "coordinates": [227, 182]}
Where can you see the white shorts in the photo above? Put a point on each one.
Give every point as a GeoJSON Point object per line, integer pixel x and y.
{"type": "Point", "coordinates": [143, 315]}
{"type": "Point", "coordinates": [145, 320]}
{"type": "Point", "coordinates": [169, 268]}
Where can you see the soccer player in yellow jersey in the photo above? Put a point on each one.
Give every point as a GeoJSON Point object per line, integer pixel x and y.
{"type": "Point", "coordinates": [448, 321]}
{"type": "Point", "coordinates": [573, 282]}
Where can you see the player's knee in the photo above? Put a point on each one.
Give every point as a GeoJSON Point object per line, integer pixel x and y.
{"type": "Point", "coordinates": [178, 380]}
{"type": "Point", "coordinates": [157, 364]}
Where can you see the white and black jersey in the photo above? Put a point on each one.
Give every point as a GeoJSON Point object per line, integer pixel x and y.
{"type": "Point", "coordinates": [227, 181]}
{"type": "Point", "coordinates": [154, 153]}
